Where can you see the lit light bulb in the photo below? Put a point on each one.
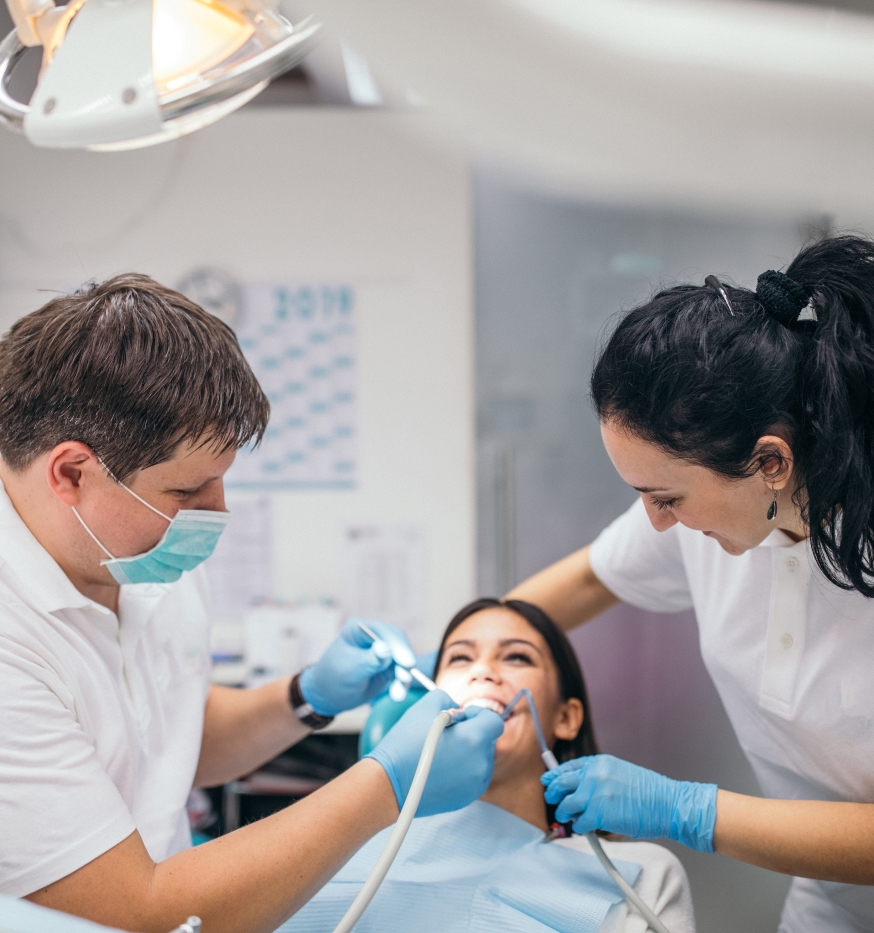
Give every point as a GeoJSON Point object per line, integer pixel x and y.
{"type": "Point", "coordinates": [191, 36]}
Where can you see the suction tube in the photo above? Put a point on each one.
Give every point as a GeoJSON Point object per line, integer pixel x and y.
{"type": "Point", "coordinates": [631, 895]}
{"type": "Point", "coordinates": [551, 762]}
{"type": "Point", "coordinates": [408, 811]}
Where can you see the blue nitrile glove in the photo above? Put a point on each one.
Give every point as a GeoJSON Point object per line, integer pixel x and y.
{"type": "Point", "coordinates": [427, 662]}
{"type": "Point", "coordinates": [465, 758]}
{"type": "Point", "coordinates": [399, 687]}
{"type": "Point", "coordinates": [355, 668]}
{"type": "Point", "coordinates": [603, 792]}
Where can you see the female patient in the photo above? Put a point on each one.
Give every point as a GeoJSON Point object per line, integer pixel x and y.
{"type": "Point", "coordinates": [486, 868]}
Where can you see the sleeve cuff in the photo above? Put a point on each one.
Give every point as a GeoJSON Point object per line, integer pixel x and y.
{"type": "Point", "coordinates": [64, 863]}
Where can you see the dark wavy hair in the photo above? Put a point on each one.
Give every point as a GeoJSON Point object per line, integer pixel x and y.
{"type": "Point", "coordinates": [132, 369]}
{"type": "Point", "coordinates": [705, 384]}
{"type": "Point", "coordinates": [570, 675]}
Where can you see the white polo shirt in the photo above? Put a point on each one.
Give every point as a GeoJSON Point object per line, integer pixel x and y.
{"type": "Point", "coordinates": [101, 715]}
{"type": "Point", "coordinates": [792, 657]}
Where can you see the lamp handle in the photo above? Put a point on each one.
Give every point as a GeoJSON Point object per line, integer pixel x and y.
{"type": "Point", "coordinates": [12, 111]}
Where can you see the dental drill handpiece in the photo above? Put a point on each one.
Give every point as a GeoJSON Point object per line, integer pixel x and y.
{"type": "Point", "coordinates": [414, 671]}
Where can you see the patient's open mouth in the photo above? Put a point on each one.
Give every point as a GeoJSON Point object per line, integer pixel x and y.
{"type": "Point", "coordinates": [487, 703]}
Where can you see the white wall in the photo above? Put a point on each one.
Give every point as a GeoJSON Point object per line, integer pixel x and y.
{"type": "Point", "coordinates": [279, 195]}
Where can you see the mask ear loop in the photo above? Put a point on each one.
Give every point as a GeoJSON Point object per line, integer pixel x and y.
{"type": "Point", "coordinates": [715, 284]}
{"type": "Point", "coordinates": [94, 537]}
{"type": "Point", "coordinates": [146, 504]}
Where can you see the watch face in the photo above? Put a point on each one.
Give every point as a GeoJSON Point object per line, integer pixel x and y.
{"type": "Point", "coordinates": [215, 291]}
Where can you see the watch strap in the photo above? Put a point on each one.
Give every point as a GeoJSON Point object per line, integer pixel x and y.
{"type": "Point", "coordinates": [304, 712]}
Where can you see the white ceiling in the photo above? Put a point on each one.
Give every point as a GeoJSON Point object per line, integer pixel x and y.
{"type": "Point", "coordinates": [731, 104]}
{"type": "Point", "coordinates": [735, 105]}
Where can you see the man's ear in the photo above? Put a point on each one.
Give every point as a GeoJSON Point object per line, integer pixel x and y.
{"type": "Point", "coordinates": [776, 461]}
{"type": "Point", "coordinates": [569, 720]}
{"type": "Point", "coordinates": [70, 466]}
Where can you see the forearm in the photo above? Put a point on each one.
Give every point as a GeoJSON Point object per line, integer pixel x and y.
{"type": "Point", "coordinates": [568, 591]}
{"type": "Point", "coordinates": [249, 881]}
{"type": "Point", "coordinates": [243, 729]}
{"type": "Point", "coordinates": [809, 838]}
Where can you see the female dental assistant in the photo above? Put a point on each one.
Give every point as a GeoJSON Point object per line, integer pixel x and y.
{"type": "Point", "coordinates": [746, 422]}
{"type": "Point", "coordinates": [121, 408]}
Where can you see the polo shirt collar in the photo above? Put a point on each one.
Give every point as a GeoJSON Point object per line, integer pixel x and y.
{"type": "Point", "coordinates": [778, 538]}
{"type": "Point", "coordinates": [48, 586]}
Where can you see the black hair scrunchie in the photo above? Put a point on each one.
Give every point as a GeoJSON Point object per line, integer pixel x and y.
{"type": "Point", "coordinates": [782, 297]}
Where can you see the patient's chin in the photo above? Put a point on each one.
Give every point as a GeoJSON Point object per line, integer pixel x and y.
{"type": "Point", "coordinates": [516, 757]}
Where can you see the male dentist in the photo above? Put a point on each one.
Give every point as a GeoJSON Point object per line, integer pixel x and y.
{"type": "Point", "coordinates": [121, 408]}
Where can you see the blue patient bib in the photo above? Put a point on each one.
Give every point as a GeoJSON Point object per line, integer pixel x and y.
{"type": "Point", "coordinates": [477, 870]}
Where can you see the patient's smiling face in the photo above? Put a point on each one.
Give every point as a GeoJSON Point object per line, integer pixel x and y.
{"type": "Point", "coordinates": [489, 658]}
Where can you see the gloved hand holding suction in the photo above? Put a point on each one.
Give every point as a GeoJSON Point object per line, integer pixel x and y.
{"type": "Point", "coordinates": [603, 792]}
{"type": "Point", "coordinates": [355, 668]}
{"type": "Point", "coordinates": [463, 764]}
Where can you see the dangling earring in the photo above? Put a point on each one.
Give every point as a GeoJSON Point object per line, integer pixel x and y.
{"type": "Point", "coordinates": [772, 508]}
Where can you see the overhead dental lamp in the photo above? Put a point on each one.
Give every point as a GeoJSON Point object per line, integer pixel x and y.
{"type": "Point", "coordinates": [121, 74]}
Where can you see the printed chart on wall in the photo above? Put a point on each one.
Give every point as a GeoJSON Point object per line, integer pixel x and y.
{"type": "Point", "coordinates": [384, 574]}
{"type": "Point", "coordinates": [300, 340]}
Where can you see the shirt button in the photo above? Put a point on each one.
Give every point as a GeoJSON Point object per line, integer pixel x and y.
{"type": "Point", "coordinates": [786, 640]}
{"type": "Point", "coordinates": [792, 563]}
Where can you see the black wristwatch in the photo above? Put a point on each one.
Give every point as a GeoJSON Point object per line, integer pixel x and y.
{"type": "Point", "coordinates": [304, 712]}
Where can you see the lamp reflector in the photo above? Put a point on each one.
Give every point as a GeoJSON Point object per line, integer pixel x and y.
{"type": "Point", "coordinates": [191, 37]}
{"type": "Point", "coordinates": [133, 73]}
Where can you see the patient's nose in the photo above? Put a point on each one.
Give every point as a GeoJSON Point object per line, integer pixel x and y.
{"type": "Point", "coordinates": [481, 669]}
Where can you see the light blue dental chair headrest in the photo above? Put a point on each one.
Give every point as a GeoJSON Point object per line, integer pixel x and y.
{"type": "Point", "coordinates": [385, 713]}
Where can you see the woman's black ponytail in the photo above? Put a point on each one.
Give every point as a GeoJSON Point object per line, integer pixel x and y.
{"type": "Point", "coordinates": [705, 381]}
{"type": "Point", "coordinates": [837, 446]}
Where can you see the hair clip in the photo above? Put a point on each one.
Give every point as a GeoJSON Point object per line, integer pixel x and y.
{"type": "Point", "coordinates": [714, 283]}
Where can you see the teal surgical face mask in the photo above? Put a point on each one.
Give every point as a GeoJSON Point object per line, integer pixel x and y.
{"type": "Point", "coordinates": [190, 539]}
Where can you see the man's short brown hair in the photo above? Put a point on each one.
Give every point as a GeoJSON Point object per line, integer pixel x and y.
{"type": "Point", "coordinates": [130, 368]}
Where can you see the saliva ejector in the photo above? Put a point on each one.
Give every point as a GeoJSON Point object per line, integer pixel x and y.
{"type": "Point", "coordinates": [551, 762]}
{"type": "Point", "coordinates": [417, 787]}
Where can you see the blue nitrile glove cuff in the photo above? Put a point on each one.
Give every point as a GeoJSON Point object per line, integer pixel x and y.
{"type": "Point", "coordinates": [603, 792]}
{"type": "Point", "coordinates": [354, 669]}
{"type": "Point", "coordinates": [465, 758]}
{"type": "Point", "coordinates": [694, 815]}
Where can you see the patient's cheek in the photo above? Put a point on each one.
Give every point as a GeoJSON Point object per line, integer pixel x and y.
{"type": "Point", "coordinates": [452, 685]}
{"type": "Point", "coordinates": [518, 733]}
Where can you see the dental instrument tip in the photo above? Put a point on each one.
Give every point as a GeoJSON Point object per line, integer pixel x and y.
{"type": "Point", "coordinates": [423, 679]}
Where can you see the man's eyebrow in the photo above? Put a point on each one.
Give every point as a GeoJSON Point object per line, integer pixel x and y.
{"type": "Point", "coordinates": [192, 487]}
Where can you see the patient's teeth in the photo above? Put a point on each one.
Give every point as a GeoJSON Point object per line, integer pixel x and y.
{"type": "Point", "coordinates": [488, 704]}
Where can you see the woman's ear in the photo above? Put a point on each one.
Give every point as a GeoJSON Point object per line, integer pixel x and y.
{"type": "Point", "coordinates": [569, 719]}
{"type": "Point", "coordinates": [776, 462]}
